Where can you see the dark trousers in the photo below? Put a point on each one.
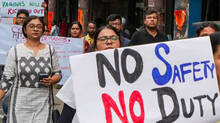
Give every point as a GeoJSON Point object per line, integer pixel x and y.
{"type": "Point", "coordinates": [67, 114]}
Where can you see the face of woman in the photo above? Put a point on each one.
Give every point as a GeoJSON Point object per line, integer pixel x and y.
{"type": "Point", "coordinates": [217, 63]}
{"type": "Point", "coordinates": [75, 31]}
{"type": "Point", "coordinates": [34, 29]}
{"type": "Point", "coordinates": [107, 39]}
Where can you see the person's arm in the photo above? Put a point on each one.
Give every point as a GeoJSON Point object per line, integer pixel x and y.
{"type": "Point", "coordinates": [67, 114]}
{"type": "Point", "coordinates": [9, 73]}
{"type": "Point", "coordinates": [56, 72]}
{"type": "Point", "coordinates": [2, 93]}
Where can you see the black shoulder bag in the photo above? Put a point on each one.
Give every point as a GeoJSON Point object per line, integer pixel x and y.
{"type": "Point", "coordinates": [55, 112]}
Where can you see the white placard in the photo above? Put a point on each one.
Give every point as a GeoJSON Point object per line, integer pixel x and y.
{"type": "Point", "coordinates": [65, 47]}
{"type": "Point", "coordinates": [9, 8]}
{"type": "Point", "coordinates": [148, 84]}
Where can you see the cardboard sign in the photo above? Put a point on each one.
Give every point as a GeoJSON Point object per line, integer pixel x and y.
{"type": "Point", "coordinates": [163, 82]}
{"type": "Point", "coordinates": [65, 47]}
{"type": "Point", "coordinates": [9, 8]}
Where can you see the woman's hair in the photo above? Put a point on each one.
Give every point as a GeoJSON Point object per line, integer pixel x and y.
{"type": "Point", "coordinates": [94, 45]}
{"type": "Point", "coordinates": [204, 25]}
{"type": "Point", "coordinates": [77, 23]}
{"type": "Point", "coordinates": [30, 18]}
{"type": "Point", "coordinates": [215, 41]}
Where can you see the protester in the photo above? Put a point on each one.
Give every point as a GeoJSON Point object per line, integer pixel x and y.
{"type": "Point", "coordinates": [215, 41]}
{"type": "Point", "coordinates": [55, 29]}
{"type": "Point", "coordinates": [22, 14]}
{"type": "Point", "coordinates": [31, 67]}
{"type": "Point", "coordinates": [149, 33]}
{"type": "Point", "coordinates": [125, 32]}
{"type": "Point", "coordinates": [63, 25]}
{"type": "Point", "coordinates": [116, 21]}
{"type": "Point", "coordinates": [89, 38]}
{"type": "Point", "coordinates": [206, 29]}
{"type": "Point", "coordinates": [75, 30]}
{"type": "Point", "coordinates": [46, 31]}
{"type": "Point", "coordinates": [105, 38]}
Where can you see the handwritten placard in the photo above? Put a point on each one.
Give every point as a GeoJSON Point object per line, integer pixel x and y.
{"type": "Point", "coordinates": [156, 83]}
{"type": "Point", "coordinates": [9, 8]}
{"type": "Point", "coordinates": [65, 47]}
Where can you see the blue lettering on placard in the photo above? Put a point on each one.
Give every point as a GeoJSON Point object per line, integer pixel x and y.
{"type": "Point", "coordinates": [182, 66]}
{"type": "Point", "coordinates": [206, 65]}
{"type": "Point", "coordinates": [196, 70]}
{"type": "Point", "coordinates": [158, 78]}
{"type": "Point", "coordinates": [176, 73]}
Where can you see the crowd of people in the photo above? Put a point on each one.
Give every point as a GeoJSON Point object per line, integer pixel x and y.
{"type": "Point", "coordinates": [32, 67]}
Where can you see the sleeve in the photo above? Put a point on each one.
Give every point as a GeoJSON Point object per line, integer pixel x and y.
{"type": "Point", "coordinates": [9, 73]}
{"type": "Point", "coordinates": [66, 93]}
{"type": "Point", "coordinates": [55, 63]}
{"type": "Point", "coordinates": [134, 39]}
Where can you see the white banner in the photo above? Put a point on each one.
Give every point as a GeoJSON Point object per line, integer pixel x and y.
{"type": "Point", "coordinates": [65, 47]}
{"type": "Point", "coordinates": [156, 83]}
{"type": "Point", "coordinates": [9, 8]}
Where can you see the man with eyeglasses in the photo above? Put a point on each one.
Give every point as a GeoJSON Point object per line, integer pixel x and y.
{"type": "Point", "coordinates": [22, 14]}
{"type": "Point", "coordinates": [116, 21]}
{"type": "Point", "coordinates": [149, 33]}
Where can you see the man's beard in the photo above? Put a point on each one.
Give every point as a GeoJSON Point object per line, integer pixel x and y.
{"type": "Point", "coordinates": [151, 28]}
{"type": "Point", "coordinates": [91, 34]}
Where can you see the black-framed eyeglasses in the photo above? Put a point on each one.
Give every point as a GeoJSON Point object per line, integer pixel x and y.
{"type": "Point", "coordinates": [32, 27]}
{"type": "Point", "coordinates": [113, 38]}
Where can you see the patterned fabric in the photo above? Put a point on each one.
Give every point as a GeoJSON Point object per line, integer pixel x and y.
{"type": "Point", "coordinates": [88, 41]}
{"type": "Point", "coordinates": [30, 101]}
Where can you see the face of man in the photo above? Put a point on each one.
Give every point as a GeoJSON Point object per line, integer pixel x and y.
{"type": "Point", "coordinates": [116, 23]}
{"type": "Point", "coordinates": [91, 29]}
{"type": "Point", "coordinates": [20, 19]}
{"type": "Point", "coordinates": [151, 21]}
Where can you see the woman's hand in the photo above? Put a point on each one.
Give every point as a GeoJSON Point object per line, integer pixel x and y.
{"type": "Point", "coordinates": [50, 80]}
{"type": "Point", "coordinates": [47, 81]}
{"type": "Point", "coordinates": [2, 93]}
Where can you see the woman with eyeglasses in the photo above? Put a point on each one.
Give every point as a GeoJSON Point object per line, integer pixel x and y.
{"type": "Point", "coordinates": [31, 68]}
{"type": "Point", "coordinates": [106, 37]}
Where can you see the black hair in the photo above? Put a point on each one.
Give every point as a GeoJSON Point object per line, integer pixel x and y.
{"type": "Point", "coordinates": [204, 25]}
{"type": "Point", "coordinates": [113, 17]}
{"type": "Point", "coordinates": [94, 45]}
{"type": "Point", "coordinates": [22, 11]}
{"type": "Point", "coordinates": [215, 41]}
{"type": "Point", "coordinates": [93, 22]}
{"type": "Point", "coordinates": [78, 23]}
{"type": "Point", "coordinates": [149, 12]}
{"type": "Point", "coordinates": [30, 18]}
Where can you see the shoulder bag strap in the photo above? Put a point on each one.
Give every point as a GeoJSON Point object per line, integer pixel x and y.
{"type": "Point", "coordinates": [16, 61]}
{"type": "Point", "coordinates": [51, 87]}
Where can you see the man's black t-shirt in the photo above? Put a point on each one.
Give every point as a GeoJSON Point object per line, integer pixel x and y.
{"type": "Point", "coordinates": [143, 37]}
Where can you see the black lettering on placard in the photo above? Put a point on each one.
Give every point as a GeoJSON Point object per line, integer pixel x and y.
{"type": "Point", "coordinates": [199, 98]}
{"type": "Point", "coordinates": [103, 61]}
{"type": "Point", "coordinates": [213, 101]}
{"type": "Point", "coordinates": [175, 113]}
{"type": "Point", "coordinates": [187, 115]}
{"type": "Point", "coordinates": [131, 77]}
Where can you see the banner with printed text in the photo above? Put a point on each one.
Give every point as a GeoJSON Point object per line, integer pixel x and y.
{"type": "Point", "coordinates": [65, 47]}
{"type": "Point", "coordinates": [9, 8]}
{"type": "Point", "coordinates": [156, 83]}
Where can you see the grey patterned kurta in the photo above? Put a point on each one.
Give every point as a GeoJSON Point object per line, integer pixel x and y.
{"type": "Point", "coordinates": [30, 101]}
